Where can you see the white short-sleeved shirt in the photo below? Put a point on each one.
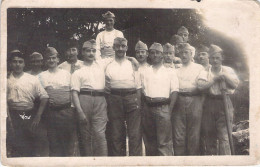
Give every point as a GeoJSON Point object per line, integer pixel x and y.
{"type": "Point", "coordinates": [159, 83]}
{"type": "Point", "coordinates": [21, 92]}
{"type": "Point", "coordinates": [57, 84]}
{"type": "Point", "coordinates": [122, 75]}
{"type": "Point", "coordinates": [215, 89]}
{"type": "Point", "coordinates": [187, 76]}
{"type": "Point", "coordinates": [106, 39]}
{"type": "Point", "coordinates": [91, 77]}
{"type": "Point", "coordinates": [67, 66]}
{"type": "Point", "coordinates": [143, 67]}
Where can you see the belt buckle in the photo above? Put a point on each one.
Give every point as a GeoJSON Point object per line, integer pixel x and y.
{"type": "Point", "coordinates": [91, 93]}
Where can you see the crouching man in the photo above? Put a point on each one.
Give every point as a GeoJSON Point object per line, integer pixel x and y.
{"type": "Point", "coordinates": [160, 86]}
{"type": "Point", "coordinates": [61, 120]}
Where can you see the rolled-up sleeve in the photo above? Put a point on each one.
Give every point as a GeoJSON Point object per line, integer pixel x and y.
{"type": "Point", "coordinates": [75, 81]}
{"type": "Point", "coordinates": [174, 87]}
{"type": "Point", "coordinates": [202, 80]}
{"type": "Point", "coordinates": [40, 91]}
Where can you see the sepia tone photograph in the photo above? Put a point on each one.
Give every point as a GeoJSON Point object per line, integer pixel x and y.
{"type": "Point", "coordinates": [124, 82]}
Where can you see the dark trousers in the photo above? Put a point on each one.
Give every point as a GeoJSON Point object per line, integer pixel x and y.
{"type": "Point", "coordinates": [93, 139]}
{"type": "Point", "coordinates": [25, 142]}
{"type": "Point", "coordinates": [186, 120]}
{"type": "Point", "coordinates": [214, 129]}
{"type": "Point", "coordinates": [62, 134]}
{"type": "Point", "coordinates": [158, 130]}
{"type": "Point", "coordinates": [124, 115]}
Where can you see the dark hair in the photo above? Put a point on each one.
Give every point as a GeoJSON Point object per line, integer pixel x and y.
{"type": "Point", "coordinates": [71, 44]}
{"type": "Point", "coordinates": [16, 53]}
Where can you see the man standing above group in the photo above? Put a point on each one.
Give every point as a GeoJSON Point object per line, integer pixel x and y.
{"type": "Point", "coordinates": [141, 53]}
{"type": "Point", "coordinates": [216, 80]}
{"type": "Point", "coordinates": [184, 33]}
{"type": "Point", "coordinates": [105, 39]}
{"type": "Point", "coordinates": [203, 56]}
{"type": "Point", "coordinates": [188, 111]}
{"type": "Point", "coordinates": [22, 90]}
{"type": "Point", "coordinates": [61, 121]}
{"type": "Point", "coordinates": [123, 103]}
{"type": "Point", "coordinates": [160, 86]}
{"type": "Point", "coordinates": [36, 62]}
{"type": "Point", "coordinates": [71, 53]}
{"type": "Point", "coordinates": [88, 84]}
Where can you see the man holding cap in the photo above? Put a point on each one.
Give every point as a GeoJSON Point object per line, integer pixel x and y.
{"type": "Point", "coordinates": [36, 62]}
{"type": "Point", "coordinates": [214, 81]}
{"type": "Point", "coordinates": [141, 54]}
{"type": "Point", "coordinates": [187, 114]}
{"type": "Point", "coordinates": [22, 90]}
{"type": "Point", "coordinates": [203, 56]}
{"type": "Point", "coordinates": [105, 39]}
{"type": "Point", "coordinates": [124, 100]}
{"type": "Point", "coordinates": [71, 52]}
{"type": "Point", "coordinates": [61, 116]}
{"type": "Point", "coordinates": [88, 91]}
{"type": "Point", "coordinates": [160, 86]}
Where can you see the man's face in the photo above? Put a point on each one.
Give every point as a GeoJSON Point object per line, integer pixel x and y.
{"type": "Point", "coordinates": [120, 48]}
{"type": "Point", "coordinates": [185, 56]}
{"type": "Point", "coordinates": [36, 62]}
{"type": "Point", "coordinates": [109, 23]}
{"type": "Point", "coordinates": [203, 58]}
{"type": "Point", "coordinates": [52, 61]}
{"type": "Point", "coordinates": [17, 64]}
{"type": "Point", "coordinates": [71, 54]}
{"type": "Point", "coordinates": [156, 56]}
{"type": "Point", "coordinates": [184, 35]}
{"type": "Point", "coordinates": [216, 59]}
{"type": "Point", "coordinates": [168, 56]}
{"type": "Point", "coordinates": [141, 55]}
{"type": "Point", "coordinates": [89, 54]}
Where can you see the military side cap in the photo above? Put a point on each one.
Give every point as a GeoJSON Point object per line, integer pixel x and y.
{"type": "Point", "coordinates": [119, 40]}
{"type": "Point", "coordinates": [16, 53]}
{"type": "Point", "coordinates": [185, 46]}
{"type": "Point", "coordinates": [49, 51]}
{"type": "Point", "coordinates": [168, 48]}
{"type": "Point", "coordinates": [175, 39]}
{"type": "Point", "coordinates": [214, 49]}
{"type": "Point", "coordinates": [202, 48]}
{"type": "Point", "coordinates": [90, 44]}
{"type": "Point", "coordinates": [183, 29]}
{"type": "Point", "coordinates": [156, 46]}
{"type": "Point", "coordinates": [141, 46]}
{"type": "Point", "coordinates": [36, 55]}
{"type": "Point", "coordinates": [108, 14]}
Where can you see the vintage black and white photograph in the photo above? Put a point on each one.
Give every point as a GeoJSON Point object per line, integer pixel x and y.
{"type": "Point", "coordinates": [124, 82]}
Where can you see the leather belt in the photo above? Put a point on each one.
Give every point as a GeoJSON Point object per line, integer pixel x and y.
{"type": "Point", "coordinates": [123, 92]}
{"type": "Point", "coordinates": [155, 102]}
{"type": "Point", "coordinates": [188, 93]}
{"type": "Point", "coordinates": [61, 107]}
{"type": "Point", "coordinates": [91, 92]}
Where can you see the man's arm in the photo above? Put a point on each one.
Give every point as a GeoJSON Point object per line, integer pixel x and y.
{"type": "Point", "coordinates": [231, 80]}
{"type": "Point", "coordinates": [76, 102]}
{"type": "Point", "coordinates": [173, 98]}
{"type": "Point", "coordinates": [37, 118]}
{"type": "Point", "coordinates": [134, 62]}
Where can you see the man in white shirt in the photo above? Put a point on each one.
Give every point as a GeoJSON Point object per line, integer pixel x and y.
{"type": "Point", "coordinates": [22, 91]}
{"type": "Point", "coordinates": [61, 121]}
{"type": "Point", "coordinates": [160, 86]}
{"type": "Point", "coordinates": [214, 81]}
{"type": "Point", "coordinates": [105, 39]}
{"type": "Point", "coordinates": [123, 103]}
{"type": "Point", "coordinates": [203, 56]}
{"type": "Point", "coordinates": [176, 41]}
{"type": "Point", "coordinates": [36, 62]}
{"type": "Point", "coordinates": [71, 52]}
{"type": "Point", "coordinates": [188, 112]}
{"type": "Point", "coordinates": [87, 85]}
{"type": "Point", "coordinates": [141, 54]}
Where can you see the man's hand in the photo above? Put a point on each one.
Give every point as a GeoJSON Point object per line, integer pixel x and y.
{"type": "Point", "coordinates": [35, 122]}
{"type": "Point", "coordinates": [82, 118]}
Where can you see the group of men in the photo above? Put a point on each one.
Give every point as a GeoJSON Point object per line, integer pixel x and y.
{"type": "Point", "coordinates": [90, 107]}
